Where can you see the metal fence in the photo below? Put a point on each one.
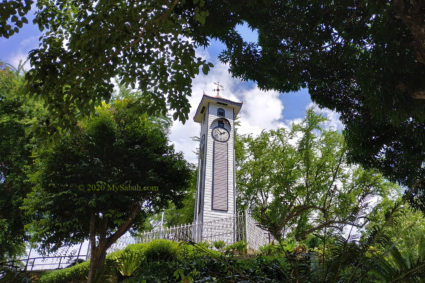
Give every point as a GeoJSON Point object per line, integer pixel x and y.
{"type": "Point", "coordinates": [241, 227]}
{"type": "Point", "coordinates": [230, 230]}
{"type": "Point", "coordinates": [63, 258]}
{"type": "Point", "coordinates": [255, 236]}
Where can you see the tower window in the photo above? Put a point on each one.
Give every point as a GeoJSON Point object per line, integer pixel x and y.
{"type": "Point", "coordinates": [220, 124]}
{"type": "Point", "coordinates": [220, 112]}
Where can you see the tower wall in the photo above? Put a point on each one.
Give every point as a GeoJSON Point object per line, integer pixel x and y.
{"type": "Point", "coordinates": [209, 214]}
{"type": "Point", "coordinates": [216, 170]}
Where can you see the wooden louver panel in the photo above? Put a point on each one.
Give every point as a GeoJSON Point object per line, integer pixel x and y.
{"type": "Point", "coordinates": [220, 193]}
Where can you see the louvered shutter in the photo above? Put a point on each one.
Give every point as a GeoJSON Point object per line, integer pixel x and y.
{"type": "Point", "coordinates": [219, 200]}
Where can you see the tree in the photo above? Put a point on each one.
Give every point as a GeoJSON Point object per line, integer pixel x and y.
{"type": "Point", "coordinates": [104, 180]}
{"type": "Point", "coordinates": [364, 59]}
{"type": "Point", "coordinates": [16, 145]}
{"type": "Point", "coordinates": [12, 16]}
{"type": "Point", "coordinates": [298, 182]}
{"type": "Point", "coordinates": [84, 46]}
{"type": "Point", "coordinates": [181, 215]}
{"type": "Point", "coordinates": [401, 257]}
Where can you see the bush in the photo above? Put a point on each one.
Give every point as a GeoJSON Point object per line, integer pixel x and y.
{"type": "Point", "coordinates": [236, 248]}
{"type": "Point", "coordinates": [76, 273]}
{"type": "Point", "coordinates": [161, 250]}
{"type": "Point", "coordinates": [166, 261]}
{"type": "Point", "coordinates": [270, 249]}
{"type": "Point", "coordinates": [219, 245]}
{"type": "Point", "coordinates": [128, 262]}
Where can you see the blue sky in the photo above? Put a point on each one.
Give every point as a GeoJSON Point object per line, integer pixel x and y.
{"type": "Point", "coordinates": [261, 110]}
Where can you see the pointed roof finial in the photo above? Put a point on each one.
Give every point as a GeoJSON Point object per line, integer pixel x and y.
{"type": "Point", "coordinates": [219, 86]}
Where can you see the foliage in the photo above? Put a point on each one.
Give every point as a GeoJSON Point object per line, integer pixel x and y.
{"type": "Point", "coordinates": [77, 273]}
{"type": "Point", "coordinates": [193, 262]}
{"type": "Point", "coordinates": [219, 245]}
{"type": "Point", "coordinates": [299, 182]}
{"type": "Point", "coordinates": [13, 274]}
{"type": "Point", "coordinates": [147, 45]}
{"type": "Point", "coordinates": [401, 257]}
{"type": "Point", "coordinates": [342, 260]}
{"type": "Point", "coordinates": [128, 262]}
{"type": "Point", "coordinates": [204, 245]}
{"type": "Point", "coordinates": [236, 248]}
{"type": "Point", "coordinates": [173, 215]}
{"type": "Point", "coordinates": [402, 267]}
{"type": "Point", "coordinates": [270, 249]}
{"type": "Point", "coordinates": [16, 145]}
{"type": "Point", "coordinates": [206, 267]}
{"type": "Point", "coordinates": [12, 16]}
{"type": "Point", "coordinates": [104, 180]}
{"type": "Point", "coordinates": [161, 250]}
{"type": "Point", "coordinates": [366, 60]}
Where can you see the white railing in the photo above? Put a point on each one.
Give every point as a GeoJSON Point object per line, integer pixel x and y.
{"type": "Point", "coordinates": [241, 227]}
{"type": "Point", "coordinates": [255, 236]}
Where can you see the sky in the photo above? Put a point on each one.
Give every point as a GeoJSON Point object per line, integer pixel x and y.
{"type": "Point", "coordinates": [261, 110]}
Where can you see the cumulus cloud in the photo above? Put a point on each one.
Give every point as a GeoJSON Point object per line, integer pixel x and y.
{"type": "Point", "coordinates": [261, 110]}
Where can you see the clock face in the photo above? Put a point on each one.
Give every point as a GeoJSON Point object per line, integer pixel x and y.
{"type": "Point", "coordinates": [220, 134]}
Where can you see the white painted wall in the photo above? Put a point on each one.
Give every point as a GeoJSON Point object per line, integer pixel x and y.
{"type": "Point", "coordinates": [208, 213]}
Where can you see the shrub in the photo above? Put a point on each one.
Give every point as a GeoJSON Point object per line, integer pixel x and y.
{"type": "Point", "coordinates": [75, 273]}
{"type": "Point", "coordinates": [219, 245]}
{"type": "Point", "coordinates": [161, 250]}
{"type": "Point", "coordinates": [270, 249]}
{"type": "Point", "coordinates": [204, 244]}
{"type": "Point", "coordinates": [13, 274]}
{"type": "Point", "coordinates": [128, 262]}
{"type": "Point", "coordinates": [236, 248]}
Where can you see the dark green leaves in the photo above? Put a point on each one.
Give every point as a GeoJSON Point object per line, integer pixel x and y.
{"type": "Point", "coordinates": [146, 45]}
{"type": "Point", "coordinates": [92, 171]}
{"type": "Point", "coordinates": [359, 58]}
{"type": "Point", "coordinates": [12, 16]}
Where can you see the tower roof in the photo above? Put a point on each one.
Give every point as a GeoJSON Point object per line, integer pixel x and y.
{"type": "Point", "coordinates": [206, 99]}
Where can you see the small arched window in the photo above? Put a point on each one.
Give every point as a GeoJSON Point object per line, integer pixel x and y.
{"type": "Point", "coordinates": [220, 123]}
{"type": "Point", "coordinates": [220, 112]}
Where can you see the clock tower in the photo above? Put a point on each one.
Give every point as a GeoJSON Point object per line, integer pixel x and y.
{"type": "Point", "coordinates": [216, 188]}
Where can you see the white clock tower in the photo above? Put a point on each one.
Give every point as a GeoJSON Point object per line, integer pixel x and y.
{"type": "Point", "coordinates": [215, 194]}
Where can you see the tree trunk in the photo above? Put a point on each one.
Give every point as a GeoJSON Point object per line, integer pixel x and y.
{"type": "Point", "coordinates": [98, 253]}
{"type": "Point", "coordinates": [97, 261]}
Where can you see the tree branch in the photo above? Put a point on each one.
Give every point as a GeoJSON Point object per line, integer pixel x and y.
{"type": "Point", "coordinates": [92, 231]}
{"type": "Point", "coordinates": [327, 224]}
{"type": "Point", "coordinates": [138, 38]}
{"type": "Point", "coordinates": [135, 209]}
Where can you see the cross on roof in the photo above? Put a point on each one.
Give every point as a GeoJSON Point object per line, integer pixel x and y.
{"type": "Point", "coordinates": [219, 86]}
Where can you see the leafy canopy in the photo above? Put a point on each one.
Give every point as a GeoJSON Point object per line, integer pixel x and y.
{"type": "Point", "coordinates": [16, 144]}
{"type": "Point", "coordinates": [298, 182]}
{"type": "Point", "coordinates": [364, 59]}
{"type": "Point", "coordinates": [84, 45]}
{"type": "Point", "coordinates": [104, 180]}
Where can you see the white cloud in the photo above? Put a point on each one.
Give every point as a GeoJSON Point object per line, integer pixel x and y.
{"type": "Point", "coordinates": [261, 110]}
{"type": "Point", "coordinates": [21, 53]}
{"type": "Point", "coordinates": [19, 58]}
